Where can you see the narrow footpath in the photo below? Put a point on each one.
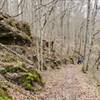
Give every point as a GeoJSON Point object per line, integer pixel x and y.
{"type": "Point", "coordinates": [68, 83]}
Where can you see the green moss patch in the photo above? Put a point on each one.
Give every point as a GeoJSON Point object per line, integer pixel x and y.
{"type": "Point", "coordinates": [11, 69]}
{"type": "Point", "coordinates": [4, 95]}
{"type": "Point", "coordinates": [27, 78]}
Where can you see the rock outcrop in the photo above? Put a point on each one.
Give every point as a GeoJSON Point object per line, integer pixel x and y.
{"type": "Point", "coordinates": [14, 32]}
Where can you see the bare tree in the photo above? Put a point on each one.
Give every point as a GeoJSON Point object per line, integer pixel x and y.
{"type": "Point", "coordinates": [85, 67]}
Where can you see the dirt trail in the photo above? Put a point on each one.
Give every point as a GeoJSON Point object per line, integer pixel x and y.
{"type": "Point", "coordinates": [68, 83]}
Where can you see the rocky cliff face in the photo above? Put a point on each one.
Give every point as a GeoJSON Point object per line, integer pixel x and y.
{"type": "Point", "coordinates": [14, 32]}
{"type": "Point", "coordinates": [13, 71]}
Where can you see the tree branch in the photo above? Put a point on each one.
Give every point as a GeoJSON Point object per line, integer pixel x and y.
{"type": "Point", "coordinates": [18, 55]}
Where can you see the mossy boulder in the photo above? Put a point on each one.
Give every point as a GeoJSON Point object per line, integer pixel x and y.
{"type": "Point", "coordinates": [8, 36]}
{"type": "Point", "coordinates": [4, 94]}
{"type": "Point", "coordinates": [20, 25]}
{"type": "Point", "coordinates": [11, 69]}
{"type": "Point", "coordinates": [14, 32]}
{"type": "Point", "coordinates": [29, 79]}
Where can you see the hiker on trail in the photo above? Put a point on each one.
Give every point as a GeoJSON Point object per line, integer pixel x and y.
{"type": "Point", "coordinates": [80, 60]}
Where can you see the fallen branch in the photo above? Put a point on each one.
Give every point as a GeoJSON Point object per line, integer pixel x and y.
{"type": "Point", "coordinates": [18, 55]}
{"type": "Point", "coordinates": [97, 62]}
{"type": "Point", "coordinates": [98, 32]}
{"type": "Point", "coordinates": [17, 15]}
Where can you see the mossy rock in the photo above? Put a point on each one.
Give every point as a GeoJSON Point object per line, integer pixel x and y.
{"type": "Point", "coordinates": [20, 25]}
{"type": "Point", "coordinates": [29, 81]}
{"type": "Point", "coordinates": [24, 27]}
{"type": "Point", "coordinates": [27, 78]}
{"type": "Point", "coordinates": [18, 67]}
{"type": "Point", "coordinates": [4, 94]}
{"type": "Point", "coordinates": [12, 70]}
{"type": "Point", "coordinates": [11, 22]}
{"type": "Point", "coordinates": [14, 32]}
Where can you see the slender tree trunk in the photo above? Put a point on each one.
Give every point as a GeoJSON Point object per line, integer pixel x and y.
{"type": "Point", "coordinates": [68, 30]}
{"type": "Point", "coordinates": [85, 67]}
{"type": "Point", "coordinates": [93, 31]}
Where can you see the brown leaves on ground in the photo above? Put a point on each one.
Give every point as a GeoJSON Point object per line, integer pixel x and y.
{"type": "Point", "coordinates": [69, 83]}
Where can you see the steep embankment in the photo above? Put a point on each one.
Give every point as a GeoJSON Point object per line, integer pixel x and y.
{"type": "Point", "coordinates": [69, 83]}
{"type": "Point", "coordinates": [15, 74]}
{"type": "Point", "coordinates": [19, 60]}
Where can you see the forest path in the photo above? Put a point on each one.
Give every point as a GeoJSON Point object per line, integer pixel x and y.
{"type": "Point", "coordinates": [68, 83]}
